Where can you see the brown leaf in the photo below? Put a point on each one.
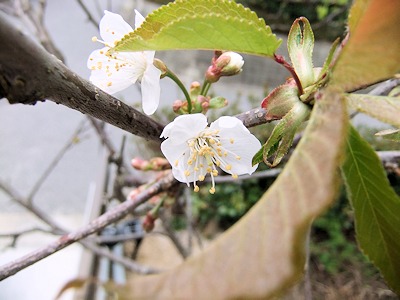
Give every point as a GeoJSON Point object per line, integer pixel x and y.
{"type": "Point", "coordinates": [264, 252]}
{"type": "Point", "coordinates": [372, 52]}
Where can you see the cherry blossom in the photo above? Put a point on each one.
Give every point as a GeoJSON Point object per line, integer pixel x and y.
{"type": "Point", "coordinates": [117, 71]}
{"type": "Point", "coordinates": [195, 149]}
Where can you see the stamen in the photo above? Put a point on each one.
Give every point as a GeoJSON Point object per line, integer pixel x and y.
{"type": "Point", "coordinates": [212, 190]}
{"type": "Point", "coordinates": [196, 188]}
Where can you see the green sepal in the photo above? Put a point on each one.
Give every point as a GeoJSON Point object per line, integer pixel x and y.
{"type": "Point", "coordinates": [218, 102]}
{"type": "Point", "coordinates": [282, 136]}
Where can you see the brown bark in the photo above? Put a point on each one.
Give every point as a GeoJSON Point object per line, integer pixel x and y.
{"type": "Point", "coordinates": [28, 74]}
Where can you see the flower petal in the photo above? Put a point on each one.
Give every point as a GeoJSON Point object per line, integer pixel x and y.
{"type": "Point", "coordinates": [113, 28]}
{"type": "Point", "coordinates": [240, 144]}
{"type": "Point", "coordinates": [186, 127]}
{"type": "Point", "coordinates": [113, 75]}
{"type": "Point", "coordinates": [139, 19]}
{"type": "Point", "coordinates": [150, 89]}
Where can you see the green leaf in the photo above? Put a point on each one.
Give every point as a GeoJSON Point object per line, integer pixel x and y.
{"type": "Point", "coordinates": [385, 109]}
{"type": "Point", "coordinates": [372, 52]}
{"type": "Point", "coordinates": [376, 207]}
{"type": "Point", "coordinates": [205, 24]}
{"type": "Point", "coordinates": [263, 253]}
{"type": "Point", "coordinates": [300, 46]}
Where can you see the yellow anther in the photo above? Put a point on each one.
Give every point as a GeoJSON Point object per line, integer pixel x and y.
{"type": "Point", "coordinates": [211, 141]}
{"type": "Point", "coordinates": [234, 176]}
{"type": "Point", "coordinates": [212, 190]}
{"type": "Point", "coordinates": [215, 172]}
{"type": "Point", "coordinates": [201, 177]}
{"type": "Point", "coordinates": [109, 83]}
{"type": "Point", "coordinates": [196, 169]}
{"type": "Point", "coordinates": [196, 188]}
{"type": "Point", "coordinates": [176, 163]}
{"type": "Point", "coordinates": [238, 157]}
{"type": "Point", "coordinates": [94, 39]}
{"type": "Point", "coordinates": [209, 170]}
{"type": "Point", "coordinates": [190, 162]}
{"type": "Point", "coordinates": [187, 173]}
{"type": "Point", "coordinates": [231, 141]}
{"type": "Point", "coordinates": [228, 167]}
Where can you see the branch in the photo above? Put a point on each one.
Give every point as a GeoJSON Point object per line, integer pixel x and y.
{"type": "Point", "coordinates": [88, 14]}
{"type": "Point", "coordinates": [97, 224]}
{"type": "Point", "coordinates": [29, 74]}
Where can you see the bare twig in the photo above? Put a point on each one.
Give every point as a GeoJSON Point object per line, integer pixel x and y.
{"type": "Point", "coordinates": [72, 141]}
{"type": "Point", "coordinates": [91, 19]}
{"type": "Point", "coordinates": [105, 139]}
{"type": "Point", "coordinates": [272, 173]}
{"type": "Point", "coordinates": [172, 236]}
{"type": "Point", "coordinates": [16, 235]}
{"type": "Point", "coordinates": [97, 224]}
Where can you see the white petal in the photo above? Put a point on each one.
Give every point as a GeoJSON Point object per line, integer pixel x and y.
{"type": "Point", "coordinates": [239, 142]}
{"type": "Point", "coordinates": [150, 89]}
{"type": "Point", "coordinates": [139, 19]}
{"type": "Point", "coordinates": [108, 84]}
{"type": "Point", "coordinates": [173, 152]}
{"type": "Point", "coordinates": [187, 126]}
{"type": "Point", "coordinates": [113, 75]}
{"type": "Point", "coordinates": [113, 27]}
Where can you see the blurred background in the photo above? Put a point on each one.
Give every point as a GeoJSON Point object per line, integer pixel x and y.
{"type": "Point", "coordinates": [52, 154]}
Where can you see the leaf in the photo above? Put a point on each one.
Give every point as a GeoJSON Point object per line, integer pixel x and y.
{"type": "Point", "coordinates": [385, 109]}
{"type": "Point", "coordinates": [300, 46]}
{"type": "Point", "coordinates": [376, 207]}
{"type": "Point", "coordinates": [205, 24]}
{"type": "Point", "coordinates": [372, 52]}
{"type": "Point", "coordinates": [263, 253]}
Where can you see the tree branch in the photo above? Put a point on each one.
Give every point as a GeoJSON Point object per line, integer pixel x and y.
{"type": "Point", "coordinates": [97, 224]}
{"type": "Point", "coordinates": [29, 74]}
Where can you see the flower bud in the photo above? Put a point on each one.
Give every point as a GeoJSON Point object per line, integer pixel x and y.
{"type": "Point", "coordinates": [138, 163]}
{"type": "Point", "coordinates": [231, 63]}
{"type": "Point", "coordinates": [148, 222]}
{"type": "Point", "coordinates": [227, 64]}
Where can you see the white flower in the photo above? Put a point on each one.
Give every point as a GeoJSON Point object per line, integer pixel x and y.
{"type": "Point", "coordinates": [195, 150]}
{"type": "Point", "coordinates": [117, 72]}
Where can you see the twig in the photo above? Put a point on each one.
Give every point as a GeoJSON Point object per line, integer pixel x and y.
{"type": "Point", "coordinates": [16, 235]}
{"type": "Point", "coordinates": [272, 173]}
{"type": "Point", "coordinates": [171, 234]}
{"type": "Point", "coordinates": [109, 217]}
{"type": "Point", "coordinates": [253, 117]}
{"type": "Point", "coordinates": [99, 128]}
{"type": "Point", "coordinates": [56, 160]}
{"type": "Point", "coordinates": [88, 14]}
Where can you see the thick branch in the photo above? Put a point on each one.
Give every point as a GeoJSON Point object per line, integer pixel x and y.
{"type": "Point", "coordinates": [28, 74]}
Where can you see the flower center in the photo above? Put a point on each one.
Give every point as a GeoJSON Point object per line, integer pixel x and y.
{"type": "Point", "coordinates": [206, 154]}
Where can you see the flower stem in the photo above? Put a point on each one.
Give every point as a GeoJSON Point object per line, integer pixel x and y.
{"type": "Point", "coordinates": [281, 60]}
{"type": "Point", "coordinates": [205, 88]}
{"type": "Point", "coordinates": [175, 78]}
